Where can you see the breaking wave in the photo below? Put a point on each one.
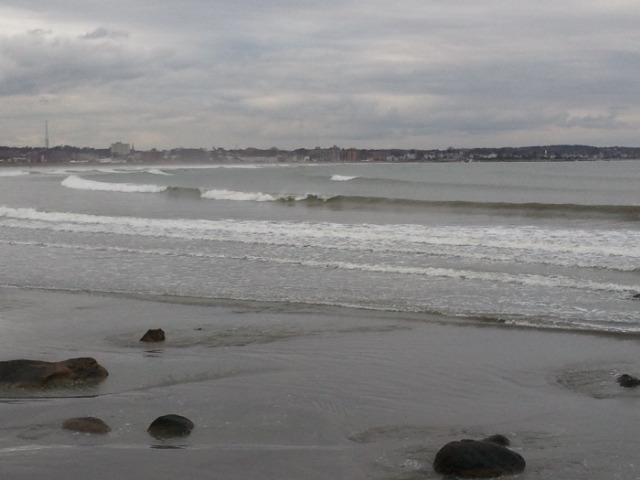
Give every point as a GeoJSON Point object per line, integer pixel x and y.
{"type": "Point", "coordinates": [239, 196]}
{"type": "Point", "coordinates": [78, 183]}
{"type": "Point", "coordinates": [625, 212]}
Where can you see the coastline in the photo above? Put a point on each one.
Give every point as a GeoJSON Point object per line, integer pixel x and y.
{"type": "Point", "coordinates": [282, 391]}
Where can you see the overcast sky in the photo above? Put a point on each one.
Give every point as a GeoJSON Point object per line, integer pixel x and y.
{"type": "Point", "coordinates": [301, 73]}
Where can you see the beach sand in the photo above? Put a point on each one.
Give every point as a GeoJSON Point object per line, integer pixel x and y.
{"type": "Point", "coordinates": [302, 392]}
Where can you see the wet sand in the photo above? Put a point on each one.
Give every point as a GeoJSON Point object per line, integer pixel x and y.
{"type": "Point", "coordinates": [291, 392]}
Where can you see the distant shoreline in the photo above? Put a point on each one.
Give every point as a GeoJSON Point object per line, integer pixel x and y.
{"type": "Point", "coordinates": [187, 163]}
{"type": "Point", "coordinates": [64, 155]}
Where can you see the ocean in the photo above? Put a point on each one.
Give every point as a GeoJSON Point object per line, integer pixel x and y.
{"type": "Point", "coordinates": [323, 321]}
{"type": "Point", "coordinates": [545, 245]}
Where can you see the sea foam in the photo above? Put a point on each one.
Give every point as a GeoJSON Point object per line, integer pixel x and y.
{"type": "Point", "coordinates": [342, 178]}
{"type": "Point", "coordinates": [497, 245]}
{"type": "Point", "coordinates": [157, 171]}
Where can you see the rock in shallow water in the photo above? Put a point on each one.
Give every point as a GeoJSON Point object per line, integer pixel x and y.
{"type": "Point", "coordinates": [153, 336]}
{"type": "Point", "coordinates": [86, 425]}
{"type": "Point", "coordinates": [168, 426]}
{"type": "Point", "coordinates": [627, 381]}
{"type": "Point", "coordinates": [486, 458]}
{"type": "Point", "coordinates": [36, 373]}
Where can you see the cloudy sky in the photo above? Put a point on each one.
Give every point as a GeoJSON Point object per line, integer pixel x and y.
{"type": "Point", "coordinates": [302, 73]}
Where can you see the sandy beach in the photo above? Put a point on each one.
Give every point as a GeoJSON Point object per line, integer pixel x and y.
{"type": "Point", "coordinates": [281, 391]}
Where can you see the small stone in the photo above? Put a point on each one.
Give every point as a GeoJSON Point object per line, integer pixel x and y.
{"type": "Point", "coordinates": [86, 425]}
{"type": "Point", "coordinates": [628, 381]}
{"type": "Point", "coordinates": [168, 426]}
{"type": "Point", "coordinates": [486, 458]}
{"type": "Point", "coordinates": [153, 335]}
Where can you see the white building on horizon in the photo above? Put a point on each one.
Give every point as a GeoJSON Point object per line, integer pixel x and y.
{"type": "Point", "coordinates": [120, 149]}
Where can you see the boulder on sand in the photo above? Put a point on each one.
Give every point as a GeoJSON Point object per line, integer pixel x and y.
{"type": "Point", "coordinates": [486, 458]}
{"type": "Point", "coordinates": [168, 426]}
{"type": "Point", "coordinates": [86, 425]}
{"type": "Point", "coordinates": [153, 335]}
{"type": "Point", "coordinates": [36, 373]}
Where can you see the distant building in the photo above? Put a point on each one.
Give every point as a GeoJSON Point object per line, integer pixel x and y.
{"type": "Point", "coordinates": [120, 149]}
{"type": "Point", "coordinates": [333, 154]}
{"type": "Point", "coordinates": [351, 155]}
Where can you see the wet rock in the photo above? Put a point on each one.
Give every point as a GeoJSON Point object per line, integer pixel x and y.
{"type": "Point", "coordinates": [86, 425]}
{"type": "Point", "coordinates": [36, 373]}
{"type": "Point", "coordinates": [627, 381]}
{"type": "Point", "coordinates": [168, 426]}
{"type": "Point", "coordinates": [486, 458]}
{"type": "Point", "coordinates": [153, 335]}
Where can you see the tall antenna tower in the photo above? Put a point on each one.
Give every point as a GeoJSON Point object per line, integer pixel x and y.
{"type": "Point", "coordinates": [46, 134]}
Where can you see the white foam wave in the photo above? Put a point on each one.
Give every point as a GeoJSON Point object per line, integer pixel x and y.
{"type": "Point", "coordinates": [521, 279]}
{"type": "Point", "coordinates": [157, 171]}
{"type": "Point", "coordinates": [556, 281]}
{"type": "Point", "coordinates": [342, 178]}
{"type": "Point", "coordinates": [73, 181]}
{"type": "Point", "coordinates": [615, 250]}
{"type": "Point", "coordinates": [237, 196]}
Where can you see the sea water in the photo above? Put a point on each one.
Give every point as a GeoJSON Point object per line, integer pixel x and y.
{"type": "Point", "coordinates": [249, 268]}
{"type": "Point", "coordinates": [545, 244]}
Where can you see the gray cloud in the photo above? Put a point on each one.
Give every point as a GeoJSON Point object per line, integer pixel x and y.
{"type": "Point", "coordinates": [42, 63]}
{"type": "Point", "coordinates": [293, 73]}
{"type": "Point", "coordinates": [102, 32]}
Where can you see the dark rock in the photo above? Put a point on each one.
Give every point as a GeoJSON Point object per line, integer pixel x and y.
{"type": "Point", "coordinates": [478, 458]}
{"type": "Point", "coordinates": [168, 426]}
{"type": "Point", "coordinates": [627, 381]}
{"type": "Point", "coordinates": [636, 296]}
{"type": "Point", "coordinates": [152, 335]}
{"type": "Point", "coordinates": [86, 425]}
{"type": "Point", "coordinates": [36, 373]}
